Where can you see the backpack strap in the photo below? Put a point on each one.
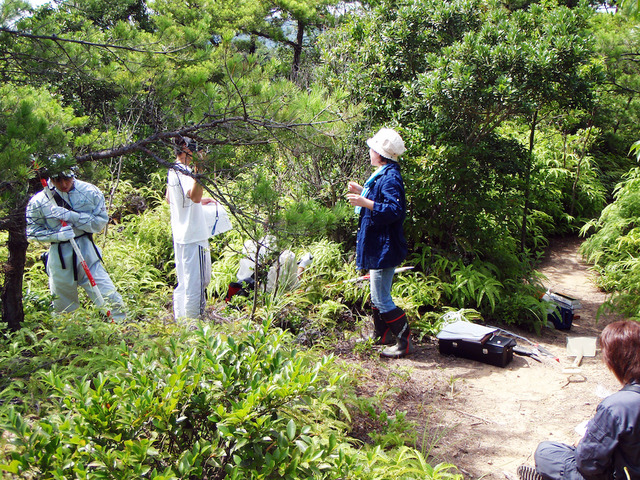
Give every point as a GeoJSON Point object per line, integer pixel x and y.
{"type": "Point", "coordinates": [61, 201]}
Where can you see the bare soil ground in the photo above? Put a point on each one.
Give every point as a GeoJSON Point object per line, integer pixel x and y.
{"type": "Point", "coordinates": [487, 420]}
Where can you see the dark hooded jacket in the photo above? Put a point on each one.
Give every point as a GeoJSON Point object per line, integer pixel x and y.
{"type": "Point", "coordinates": [612, 441]}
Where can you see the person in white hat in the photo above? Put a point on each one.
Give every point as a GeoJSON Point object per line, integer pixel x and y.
{"type": "Point", "coordinates": [381, 245]}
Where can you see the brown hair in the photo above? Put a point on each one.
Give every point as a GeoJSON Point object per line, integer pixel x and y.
{"type": "Point", "coordinates": [621, 350]}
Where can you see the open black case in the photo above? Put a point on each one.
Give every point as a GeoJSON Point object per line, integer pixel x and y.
{"type": "Point", "coordinates": [494, 350]}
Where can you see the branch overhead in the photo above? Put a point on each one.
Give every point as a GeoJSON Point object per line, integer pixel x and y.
{"type": "Point", "coordinates": [56, 38]}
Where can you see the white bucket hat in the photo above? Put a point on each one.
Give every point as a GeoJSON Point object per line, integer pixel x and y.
{"type": "Point", "coordinates": [388, 143]}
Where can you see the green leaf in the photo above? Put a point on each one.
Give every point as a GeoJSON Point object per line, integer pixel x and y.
{"type": "Point", "coordinates": [291, 429]}
{"type": "Point", "coordinates": [13, 467]}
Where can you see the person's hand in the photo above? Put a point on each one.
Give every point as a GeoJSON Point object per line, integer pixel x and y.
{"type": "Point", "coordinates": [355, 200]}
{"type": "Point", "coordinates": [64, 214]}
{"type": "Point", "coordinates": [355, 188]}
{"type": "Point", "coordinates": [198, 162]}
{"type": "Point", "coordinates": [207, 201]}
{"type": "Point", "coordinates": [360, 201]}
{"type": "Point", "coordinates": [61, 213]}
{"type": "Point", "coordinates": [65, 233]}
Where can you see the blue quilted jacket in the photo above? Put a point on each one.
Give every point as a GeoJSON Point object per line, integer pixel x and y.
{"type": "Point", "coordinates": [380, 240]}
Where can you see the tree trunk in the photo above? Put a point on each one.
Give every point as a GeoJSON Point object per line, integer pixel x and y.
{"type": "Point", "coordinates": [527, 183]}
{"type": "Point", "coordinates": [11, 292]}
{"type": "Point", "coordinates": [297, 50]}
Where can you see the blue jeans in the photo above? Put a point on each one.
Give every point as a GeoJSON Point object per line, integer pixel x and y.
{"type": "Point", "coordinates": [381, 280]}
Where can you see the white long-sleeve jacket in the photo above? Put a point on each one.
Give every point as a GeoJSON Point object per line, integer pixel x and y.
{"type": "Point", "coordinates": [89, 216]}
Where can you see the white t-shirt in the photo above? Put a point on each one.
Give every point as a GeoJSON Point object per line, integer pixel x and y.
{"type": "Point", "coordinates": [188, 222]}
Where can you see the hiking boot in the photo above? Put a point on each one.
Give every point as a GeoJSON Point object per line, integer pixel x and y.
{"type": "Point", "coordinates": [401, 349]}
{"type": "Point", "coordinates": [385, 338]}
{"type": "Point", "coordinates": [382, 334]}
{"type": "Point", "coordinates": [377, 338]}
{"type": "Point", "coordinates": [397, 322]}
{"type": "Point", "coordinates": [525, 472]}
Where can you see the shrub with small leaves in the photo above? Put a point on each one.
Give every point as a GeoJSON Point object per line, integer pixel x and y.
{"type": "Point", "coordinates": [201, 404]}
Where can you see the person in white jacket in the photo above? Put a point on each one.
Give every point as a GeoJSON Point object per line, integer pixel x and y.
{"type": "Point", "coordinates": [81, 206]}
{"type": "Point", "coordinates": [190, 231]}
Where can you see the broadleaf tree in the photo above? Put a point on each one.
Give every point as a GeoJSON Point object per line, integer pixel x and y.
{"type": "Point", "coordinates": [450, 74]}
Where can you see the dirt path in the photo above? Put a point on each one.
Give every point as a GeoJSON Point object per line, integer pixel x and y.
{"type": "Point", "coordinates": [488, 420]}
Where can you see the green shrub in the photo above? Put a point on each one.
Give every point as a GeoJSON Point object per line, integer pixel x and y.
{"type": "Point", "coordinates": [521, 305]}
{"type": "Point", "coordinates": [202, 404]}
{"type": "Point", "coordinates": [217, 404]}
{"type": "Point", "coordinates": [614, 247]}
{"type": "Point", "coordinates": [138, 255]}
{"type": "Point", "coordinates": [71, 345]}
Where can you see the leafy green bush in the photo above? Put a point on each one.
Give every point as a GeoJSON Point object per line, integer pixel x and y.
{"type": "Point", "coordinates": [483, 287]}
{"type": "Point", "coordinates": [521, 305]}
{"type": "Point", "coordinates": [614, 247]}
{"type": "Point", "coordinates": [70, 345]}
{"type": "Point", "coordinates": [138, 254]}
{"type": "Point", "coordinates": [202, 404]}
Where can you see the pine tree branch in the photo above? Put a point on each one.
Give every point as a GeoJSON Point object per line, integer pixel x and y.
{"type": "Point", "coordinates": [57, 39]}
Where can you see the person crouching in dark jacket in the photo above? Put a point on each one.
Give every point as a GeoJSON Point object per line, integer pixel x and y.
{"type": "Point", "coordinates": [381, 245]}
{"type": "Point", "coordinates": [610, 446]}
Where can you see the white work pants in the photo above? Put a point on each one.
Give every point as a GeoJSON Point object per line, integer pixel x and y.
{"type": "Point", "coordinates": [65, 288]}
{"type": "Point", "coordinates": [193, 269]}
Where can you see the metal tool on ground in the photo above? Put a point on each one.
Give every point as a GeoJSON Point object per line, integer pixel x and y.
{"type": "Point", "coordinates": [546, 352]}
{"type": "Point", "coordinates": [524, 352]}
{"type": "Point", "coordinates": [366, 277]}
{"type": "Point", "coordinates": [579, 347]}
{"type": "Point", "coordinates": [536, 346]}
{"type": "Point", "coordinates": [83, 263]}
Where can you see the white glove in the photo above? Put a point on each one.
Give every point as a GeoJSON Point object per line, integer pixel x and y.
{"type": "Point", "coordinates": [65, 214]}
{"type": "Point", "coordinates": [61, 213]}
{"type": "Point", "coordinates": [306, 260]}
{"type": "Point", "coordinates": [65, 233]}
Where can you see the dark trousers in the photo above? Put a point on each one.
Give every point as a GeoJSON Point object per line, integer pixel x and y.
{"type": "Point", "coordinates": [557, 461]}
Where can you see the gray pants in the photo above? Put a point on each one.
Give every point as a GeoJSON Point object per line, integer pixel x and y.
{"type": "Point", "coordinates": [65, 287]}
{"type": "Point", "coordinates": [557, 461]}
{"type": "Point", "coordinates": [193, 269]}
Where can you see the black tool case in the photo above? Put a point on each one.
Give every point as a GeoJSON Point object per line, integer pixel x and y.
{"type": "Point", "coordinates": [495, 350]}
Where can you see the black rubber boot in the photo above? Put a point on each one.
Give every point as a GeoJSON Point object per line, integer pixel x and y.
{"type": "Point", "coordinates": [381, 331]}
{"type": "Point", "coordinates": [397, 322]}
